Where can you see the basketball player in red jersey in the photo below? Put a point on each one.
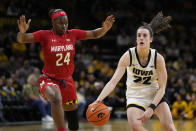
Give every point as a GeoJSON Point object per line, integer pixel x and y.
{"type": "Point", "coordinates": [58, 45]}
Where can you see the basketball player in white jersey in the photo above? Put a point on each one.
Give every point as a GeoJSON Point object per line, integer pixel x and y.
{"type": "Point", "coordinates": [146, 78]}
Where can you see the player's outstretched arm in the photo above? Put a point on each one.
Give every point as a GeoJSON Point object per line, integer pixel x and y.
{"type": "Point", "coordinates": [23, 26]}
{"type": "Point", "coordinates": [99, 32]}
{"type": "Point", "coordinates": [109, 87]}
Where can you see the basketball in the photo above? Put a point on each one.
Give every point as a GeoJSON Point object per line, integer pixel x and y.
{"type": "Point", "coordinates": [98, 114]}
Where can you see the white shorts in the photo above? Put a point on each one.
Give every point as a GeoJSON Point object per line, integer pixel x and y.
{"type": "Point", "coordinates": [143, 103]}
{"type": "Point", "coordinates": [139, 102]}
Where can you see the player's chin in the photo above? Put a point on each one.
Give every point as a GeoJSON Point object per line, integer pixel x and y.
{"type": "Point", "coordinates": [62, 31]}
{"type": "Point", "coordinates": [141, 45]}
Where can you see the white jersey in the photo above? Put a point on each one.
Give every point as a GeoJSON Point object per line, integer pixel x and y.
{"type": "Point", "coordinates": [142, 81]}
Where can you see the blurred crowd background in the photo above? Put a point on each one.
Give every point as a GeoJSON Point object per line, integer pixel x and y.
{"type": "Point", "coordinates": [95, 60]}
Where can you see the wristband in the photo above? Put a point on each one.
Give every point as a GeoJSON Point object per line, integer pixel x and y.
{"type": "Point", "coordinates": [152, 106]}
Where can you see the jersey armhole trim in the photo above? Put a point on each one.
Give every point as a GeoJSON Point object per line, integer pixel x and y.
{"type": "Point", "coordinates": [130, 55]}
{"type": "Point", "coordinates": [155, 60]}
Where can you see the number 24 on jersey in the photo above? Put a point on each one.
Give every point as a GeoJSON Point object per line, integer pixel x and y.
{"type": "Point", "coordinates": [66, 59]}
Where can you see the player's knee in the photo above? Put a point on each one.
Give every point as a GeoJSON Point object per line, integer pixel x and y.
{"type": "Point", "coordinates": [72, 118]}
{"type": "Point", "coordinates": [54, 98]}
{"type": "Point", "coordinates": [57, 100]}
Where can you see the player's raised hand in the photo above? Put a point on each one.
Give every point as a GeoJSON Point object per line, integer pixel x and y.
{"type": "Point", "coordinates": [107, 24]}
{"type": "Point", "coordinates": [23, 26]}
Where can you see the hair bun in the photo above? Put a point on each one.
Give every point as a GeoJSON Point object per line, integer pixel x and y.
{"type": "Point", "coordinates": [159, 23]}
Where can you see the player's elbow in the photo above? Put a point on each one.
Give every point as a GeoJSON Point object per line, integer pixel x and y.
{"type": "Point", "coordinates": [97, 34]}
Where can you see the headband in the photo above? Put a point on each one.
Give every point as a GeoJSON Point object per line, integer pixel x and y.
{"type": "Point", "coordinates": [57, 14]}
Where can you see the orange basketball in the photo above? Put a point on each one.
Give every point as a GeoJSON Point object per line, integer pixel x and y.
{"type": "Point", "coordinates": [98, 114]}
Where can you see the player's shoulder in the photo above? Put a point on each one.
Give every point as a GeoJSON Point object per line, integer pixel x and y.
{"type": "Point", "coordinates": [160, 59]}
{"type": "Point", "coordinates": [154, 51]}
{"type": "Point", "coordinates": [159, 56]}
{"type": "Point", "coordinates": [73, 30]}
{"type": "Point", "coordinates": [126, 54]}
{"type": "Point", "coordinates": [44, 31]}
{"type": "Point", "coordinates": [125, 59]}
{"type": "Point", "coordinates": [47, 31]}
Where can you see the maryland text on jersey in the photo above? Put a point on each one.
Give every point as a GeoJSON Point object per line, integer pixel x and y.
{"type": "Point", "coordinates": [62, 48]}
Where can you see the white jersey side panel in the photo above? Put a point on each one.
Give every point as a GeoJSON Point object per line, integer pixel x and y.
{"type": "Point", "coordinates": [141, 80]}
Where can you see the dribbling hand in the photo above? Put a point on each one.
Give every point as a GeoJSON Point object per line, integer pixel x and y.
{"type": "Point", "coordinates": [107, 24]}
{"type": "Point", "coordinates": [97, 101]}
{"type": "Point", "coordinates": [23, 26]}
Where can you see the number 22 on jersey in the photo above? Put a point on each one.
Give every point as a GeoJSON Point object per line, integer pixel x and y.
{"type": "Point", "coordinates": [142, 80]}
{"type": "Point", "coordinates": [60, 56]}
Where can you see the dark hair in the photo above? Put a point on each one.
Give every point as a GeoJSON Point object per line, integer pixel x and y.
{"type": "Point", "coordinates": [52, 11]}
{"type": "Point", "coordinates": [148, 28]}
{"type": "Point", "coordinates": [159, 23]}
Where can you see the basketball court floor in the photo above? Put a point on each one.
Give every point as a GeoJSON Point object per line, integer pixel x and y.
{"type": "Point", "coordinates": [112, 125]}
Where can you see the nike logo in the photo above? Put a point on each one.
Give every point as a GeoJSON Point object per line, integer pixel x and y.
{"type": "Point", "coordinates": [94, 109]}
{"type": "Point", "coordinates": [134, 64]}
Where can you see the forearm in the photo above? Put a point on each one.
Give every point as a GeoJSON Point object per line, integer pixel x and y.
{"type": "Point", "coordinates": [20, 37]}
{"type": "Point", "coordinates": [159, 95]}
{"type": "Point", "coordinates": [96, 33]}
{"type": "Point", "coordinates": [106, 90]}
{"type": "Point", "coordinates": [25, 37]}
{"type": "Point", "coordinates": [99, 32]}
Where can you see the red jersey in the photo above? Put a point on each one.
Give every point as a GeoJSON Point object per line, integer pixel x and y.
{"type": "Point", "coordinates": [58, 51]}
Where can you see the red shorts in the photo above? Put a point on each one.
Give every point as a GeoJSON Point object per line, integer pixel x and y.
{"type": "Point", "coordinates": [68, 94]}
